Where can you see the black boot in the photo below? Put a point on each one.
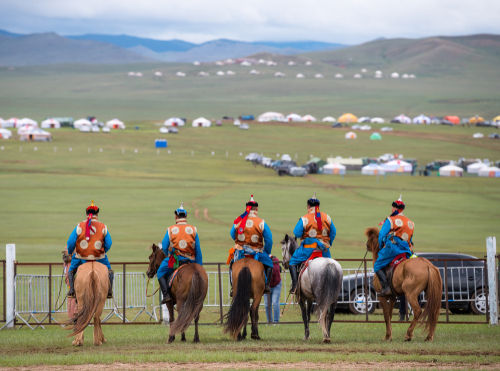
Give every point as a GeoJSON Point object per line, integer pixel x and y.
{"type": "Point", "coordinates": [294, 274]}
{"type": "Point", "coordinates": [231, 278]}
{"type": "Point", "coordinates": [382, 277]}
{"type": "Point", "coordinates": [71, 282]}
{"type": "Point", "coordinates": [165, 291]}
{"type": "Point", "coordinates": [268, 272]}
{"type": "Point", "coordinates": [111, 276]}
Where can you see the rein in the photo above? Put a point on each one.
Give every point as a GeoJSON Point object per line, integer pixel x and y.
{"type": "Point", "coordinates": [147, 285]}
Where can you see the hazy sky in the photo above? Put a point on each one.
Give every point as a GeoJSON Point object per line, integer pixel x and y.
{"type": "Point", "coordinates": [347, 21]}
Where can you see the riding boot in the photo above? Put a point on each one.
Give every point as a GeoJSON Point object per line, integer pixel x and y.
{"type": "Point", "coordinates": [294, 274]}
{"type": "Point", "coordinates": [165, 290]}
{"type": "Point", "coordinates": [382, 277]}
{"type": "Point", "coordinates": [231, 278]}
{"type": "Point", "coordinates": [269, 272]}
{"type": "Point", "coordinates": [111, 276]}
{"type": "Point", "coordinates": [71, 282]}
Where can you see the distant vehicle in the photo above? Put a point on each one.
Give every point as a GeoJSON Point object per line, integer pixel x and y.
{"type": "Point", "coordinates": [494, 136]}
{"type": "Point", "coordinates": [173, 130]}
{"type": "Point", "coordinates": [267, 161]}
{"type": "Point", "coordinates": [436, 165]}
{"type": "Point", "coordinates": [247, 117]}
{"type": "Point", "coordinates": [298, 171]}
{"type": "Point", "coordinates": [244, 127]}
{"type": "Point", "coordinates": [284, 167]}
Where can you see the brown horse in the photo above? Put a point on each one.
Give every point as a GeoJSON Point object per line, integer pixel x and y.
{"type": "Point", "coordinates": [248, 283]}
{"type": "Point", "coordinates": [410, 277]}
{"type": "Point", "coordinates": [91, 287]}
{"type": "Point", "coordinates": [189, 289]}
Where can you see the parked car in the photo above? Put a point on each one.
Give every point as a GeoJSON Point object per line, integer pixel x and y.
{"type": "Point", "coordinates": [465, 279]}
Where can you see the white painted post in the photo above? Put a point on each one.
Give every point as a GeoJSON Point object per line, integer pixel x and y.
{"type": "Point", "coordinates": [491, 252]}
{"type": "Point", "coordinates": [10, 255]}
{"type": "Point", "coordinates": [165, 314]}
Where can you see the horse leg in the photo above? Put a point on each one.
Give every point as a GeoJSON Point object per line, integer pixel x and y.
{"type": "Point", "coordinates": [387, 309]}
{"type": "Point", "coordinates": [196, 338]}
{"type": "Point", "coordinates": [305, 318]}
{"type": "Point", "coordinates": [243, 334]}
{"type": "Point", "coordinates": [417, 311]}
{"type": "Point", "coordinates": [78, 341]}
{"type": "Point", "coordinates": [183, 336]}
{"type": "Point", "coordinates": [331, 315]}
{"type": "Point", "coordinates": [98, 336]}
{"type": "Point", "coordinates": [170, 308]}
{"type": "Point", "coordinates": [254, 314]}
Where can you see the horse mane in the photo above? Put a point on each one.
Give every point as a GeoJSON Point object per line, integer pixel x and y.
{"type": "Point", "coordinates": [293, 243]}
{"type": "Point", "coordinates": [371, 232]}
{"type": "Point", "coordinates": [372, 242]}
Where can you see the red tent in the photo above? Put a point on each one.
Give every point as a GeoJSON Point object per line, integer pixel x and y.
{"type": "Point", "coordinates": [453, 119]}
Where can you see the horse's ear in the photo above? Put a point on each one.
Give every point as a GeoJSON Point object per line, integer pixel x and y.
{"type": "Point", "coordinates": [154, 247]}
{"type": "Point", "coordinates": [286, 237]}
{"type": "Point", "coordinates": [370, 232]}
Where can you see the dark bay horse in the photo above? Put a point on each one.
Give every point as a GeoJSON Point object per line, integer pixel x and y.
{"type": "Point", "coordinates": [91, 287]}
{"type": "Point", "coordinates": [410, 277]}
{"type": "Point", "coordinates": [320, 282]}
{"type": "Point", "coordinates": [248, 283]}
{"type": "Point", "coordinates": [189, 289]}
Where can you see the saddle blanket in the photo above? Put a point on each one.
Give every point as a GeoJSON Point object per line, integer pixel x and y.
{"type": "Point", "coordinates": [172, 277]}
{"type": "Point", "coordinates": [397, 260]}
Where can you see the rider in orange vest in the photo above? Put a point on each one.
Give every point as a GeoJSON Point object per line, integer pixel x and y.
{"type": "Point", "coordinates": [90, 240]}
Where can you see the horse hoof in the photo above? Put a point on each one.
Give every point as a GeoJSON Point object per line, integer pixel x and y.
{"type": "Point", "coordinates": [77, 343]}
{"type": "Point", "coordinates": [196, 340]}
{"type": "Point", "coordinates": [170, 339]}
{"type": "Point", "coordinates": [429, 338]}
{"type": "Point", "coordinates": [306, 338]}
{"type": "Point", "coordinates": [98, 343]}
{"type": "Point", "coordinates": [256, 337]}
{"type": "Point", "coordinates": [407, 338]}
{"type": "Point", "coordinates": [326, 341]}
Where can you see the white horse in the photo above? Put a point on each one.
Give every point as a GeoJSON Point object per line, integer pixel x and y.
{"type": "Point", "coordinates": [320, 282]}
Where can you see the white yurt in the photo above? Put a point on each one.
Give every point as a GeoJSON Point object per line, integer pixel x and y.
{"type": "Point", "coordinates": [339, 76]}
{"type": "Point", "coordinates": [451, 170]}
{"type": "Point", "coordinates": [491, 172]}
{"type": "Point", "coordinates": [386, 128]}
{"type": "Point", "coordinates": [365, 127]}
{"type": "Point", "coordinates": [180, 74]}
{"type": "Point", "coordinates": [271, 116]}
{"type": "Point", "coordinates": [397, 166]}
{"type": "Point", "coordinates": [329, 119]}
{"type": "Point", "coordinates": [115, 124]}
{"type": "Point", "coordinates": [26, 124]}
{"type": "Point", "coordinates": [350, 135]}
{"type": "Point", "coordinates": [201, 122]}
{"type": "Point", "coordinates": [279, 74]}
{"type": "Point", "coordinates": [394, 75]}
{"type": "Point", "coordinates": [403, 119]}
{"type": "Point", "coordinates": [82, 123]}
{"type": "Point", "coordinates": [475, 167]}
{"type": "Point", "coordinates": [300, 76]}
{"type": "Point", "coordinates": [319, 76]}
{"type": "Point", "coordinates": [11, 123]}
{"type": "Point", "coordinates": [2, 122]}
{"type": "Point", "coordinates": [50, 124]}
{"type": "Point", "coordinates": [164, 130]}
{"type": "Point", "coordinates": [478, 135]}
{"type": "Point", "coordinates": [5, 133]}
{"type": "Point", "coordinates": [220, 73]}
{"type": "Point", "coordinates": [286, 157]}
{"type": "Point", "coordinates": [334, 169]}
{"type": "Point", "coordinates": [35, 134]}
{"type": "Point", "coordinates": [309, 118]}
{"type": "Point", "coordinates": [421, 119]}
{"type": "Point", "coordinates": [293, 117]}
{"type": "Point", "coordinates": [174, 121]}
{"type": "Point", "coordinates": [377, 120]}
{"type": "Point", "coordinates": [372, 169]}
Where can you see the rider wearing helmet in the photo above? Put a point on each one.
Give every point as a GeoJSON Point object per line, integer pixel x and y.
{"type": "Point", "coordinates": [317, 232]}
{"type": "Point", "coordinates": [395, 238]}
{"type": "Point", "coordinates": [181, 245]}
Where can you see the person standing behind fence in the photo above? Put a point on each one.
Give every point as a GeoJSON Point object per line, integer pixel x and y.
{"type": "Point", "coordinates": [272, 300]}
{"type": "Point", "coordinates": [71, 302]}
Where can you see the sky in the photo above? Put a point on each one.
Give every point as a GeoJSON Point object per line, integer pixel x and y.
{"type": "Point", "coordinates": [346, 22]}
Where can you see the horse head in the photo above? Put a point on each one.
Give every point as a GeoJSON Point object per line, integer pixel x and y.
{"type": "Point", "coordinates": [372, 242]}
{"type": "Point", "coordinates": [288, 247]}
{"type": "Point", "coordinates": [155, 258]}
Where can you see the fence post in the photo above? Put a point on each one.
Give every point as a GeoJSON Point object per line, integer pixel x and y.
{"type": "Point", "coordinates": [491, 251]}
{"type": "Point", "coordinates": [10, 257]}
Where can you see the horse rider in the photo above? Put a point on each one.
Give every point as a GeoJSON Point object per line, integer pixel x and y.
{"type": "Point", "coordinates": [317, 232]}
{"type": "Point", "coordinates": [395, 238]}
{"type": "Point", "coordinates": [181, 245]}
{"type": "Point", "coordinates": [89, 241]}
{"type": "Point", "coordinates": [253, 237]}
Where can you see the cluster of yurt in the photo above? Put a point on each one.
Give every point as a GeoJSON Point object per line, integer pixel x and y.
{"type": "Point", "coordinates": [483, 169]}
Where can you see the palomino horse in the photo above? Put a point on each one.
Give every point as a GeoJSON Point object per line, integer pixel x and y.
{"type": "Point", "coordinates": [248, 283]}
{"type": "Point", "coordinates": [320, 282]}
{"type": "Point", "coordinates": [189, 289]}
{"type": "Point", "coordinates": [410, 277]}
{"type": "Point", "coordinates": [91, 287]}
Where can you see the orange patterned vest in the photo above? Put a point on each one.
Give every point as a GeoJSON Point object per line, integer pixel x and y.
{"type": "Point", "coordinates": [252, 233]}
{"type": "Point", "coordinates": [311, 228]}
{"type": "Point", "coordinates": [93, 249]}
{"type": "Point", "coordinates": [182, 238]}
{"type": "Point", "coordinates": [402, 227]}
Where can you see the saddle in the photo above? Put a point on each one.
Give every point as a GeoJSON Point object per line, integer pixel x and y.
{"type": "Point", "coordinates": [172, 277]}
{"type": "Point", "coordinates": [303, 267]}
{"type": "Point", "coordinates": [389, 270]}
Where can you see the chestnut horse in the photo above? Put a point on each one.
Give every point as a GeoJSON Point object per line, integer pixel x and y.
{"type": "Point", "coordinates": [189, 289]}
{"type": "Point", "coordinates": [248, 283]}
{"type": "Point", "coordinates": [91, 287]}
{"type": "Point", "coordinates": [410, 277]}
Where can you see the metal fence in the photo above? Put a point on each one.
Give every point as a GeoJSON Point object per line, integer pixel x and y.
{"type": "Point", "coordinates": [39, 298]}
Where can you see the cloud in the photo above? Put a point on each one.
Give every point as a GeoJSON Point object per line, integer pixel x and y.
{"type": "Point", "coordinates": [351, 21]}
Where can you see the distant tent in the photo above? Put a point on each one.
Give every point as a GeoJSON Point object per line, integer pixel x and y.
{"type": "Point", "coordinates": [35, 134]}
{"type": "Point", "coordinates": [397, 166]}
{"type": "Point", "coordinates": [347, 118]}
{"type": "Point", "coordinates": [496, 119]}
{"type": "Point", "coordinates": [334, 169]}
{"type": "Point", "coordinates": [455, 120]}
{"type": "Point", "coordinates": [115, 124]}
{"type": "Point", "coordinates": [78, 124]}
{"type": "Point", "coordinates": [375, 136]}
{"type": "Point", "coordinates": [377, 120]}
{"type": "Point", "coordinates": [293, 117]}
{"type": "Point", "coordinates": [328, 119]}
{"type": "Point", "coordinates": [2, 122]}
{"type": "Point", "coordinates": [309, 118]}
{"type": "Point", "coordinates": [491, 172]}
{"type": "Point", "coordinates": [174, 121]}
{"type": "Point", "coordinates": [11, 123]}
{"type": "Point", "coordinates": [25, 125]}
{"type": "Point", "coordinates": [474, 120]}
{"type": "Point", "coordinates": [50, 124]}
{"type": "Point", "coordinates": [422, 119]}
{"type": "Point", "coordinates": [451, 170]}
{"type": "Point", "coordinates": [5, 134]}
{"type": "Point", "coordinates": [271, 116]}
{"type": "Point", "coordinates": [478, 135]}
{"type": "Point", "coordinates": [475, 167]}
{"type": "Point", "coordinates": [402, 119]}
{"type": "Point", "coordinates": [350, 135]}
{"type": "Point", "coordinates": [201, 122]}
{"type": "Point", "coordinates": [364, 127]}
{"type": "Point", "coordinates": [372, 169]}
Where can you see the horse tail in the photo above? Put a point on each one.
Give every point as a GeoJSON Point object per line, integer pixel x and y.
{"type": "Point", "coordinates": [433, 295]}
{"type": "Point", "coordinates": [191, 306]}
{"type": "Point", "coordinates": [237, 316]}
{"type": "Point", "coordinates": [90, 301]}
{"type": "Point", "coordinates": [328, 286]}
